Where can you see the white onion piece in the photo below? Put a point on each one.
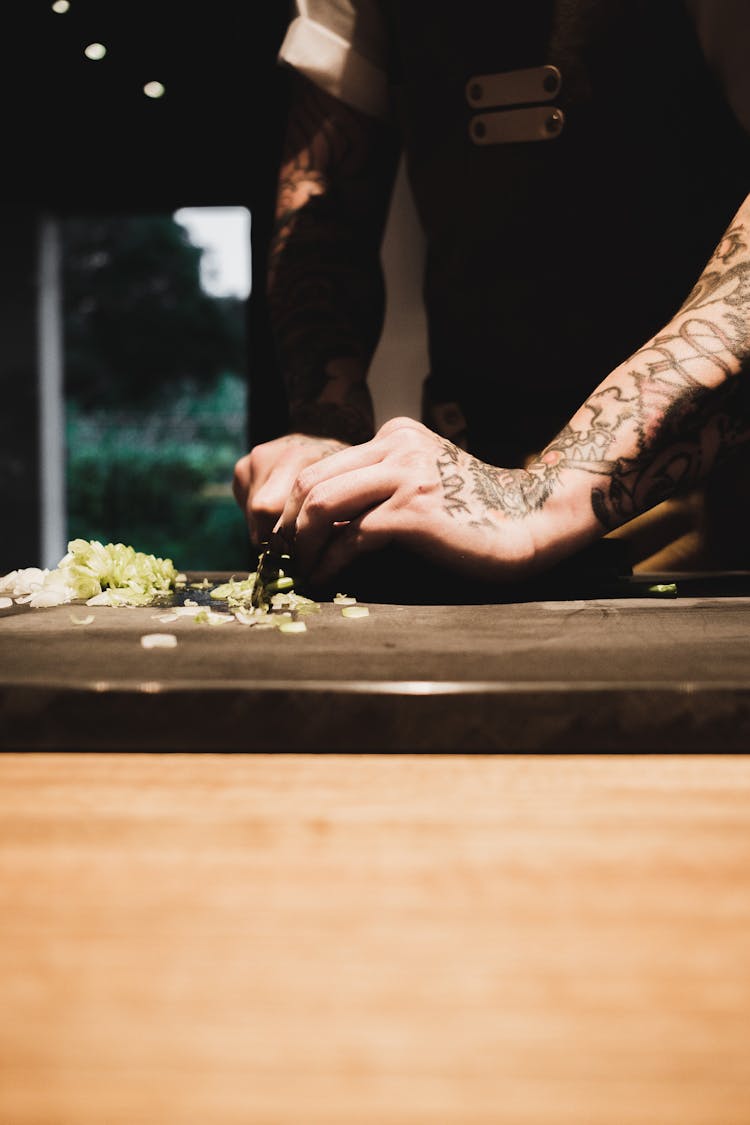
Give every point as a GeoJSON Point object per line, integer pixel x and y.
{"type": "Point", "coordinates": [159, 640]}
{"type": "Point", "coordinates": [355, 611]}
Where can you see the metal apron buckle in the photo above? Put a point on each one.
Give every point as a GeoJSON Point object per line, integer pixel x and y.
{"type": "Point", "coordinates": [511, 117]}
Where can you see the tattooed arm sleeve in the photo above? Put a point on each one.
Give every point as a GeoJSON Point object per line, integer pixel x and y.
{"type": "Point", "coordinates": [325, 286]}
{"type": "Point", "coordinates": [659, 421]}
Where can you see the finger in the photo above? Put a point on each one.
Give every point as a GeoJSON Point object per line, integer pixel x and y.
{"type": "Point", "coordinates": [274, 487]}
{"type": "Point", "coordinates": [339, 499]}
{"type": "Point", "coordinates": [347, 460]}
{"type": "Point", "coordinates": [241, 480]}
{"type": "Point", "coordinates": [343, 461]}
{"type": "Point", "coordinates": [242, 489]}
{"type": "Point", "coordinates": [401, 423]}
{"type": "Point", "coordinates": [263, 481]}
{"type": "Point", "coordinates": [267, 501]}
{"type": "Point", "coordinates": [315, 476]}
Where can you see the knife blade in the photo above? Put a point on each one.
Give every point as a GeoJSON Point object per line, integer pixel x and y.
{"type": "Point", "coordinates": [274, 571]}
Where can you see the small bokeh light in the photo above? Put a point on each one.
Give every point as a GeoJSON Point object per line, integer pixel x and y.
{"type": "Point", "coordinates": [95, 51]}
{"type": "Point", "coordinates": [153, 90]}
{"type": "Point", "coordinates": [60, 6]}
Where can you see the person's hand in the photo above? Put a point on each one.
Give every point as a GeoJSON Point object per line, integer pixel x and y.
{"type": "Point", "coordinates": [410, 486]}
{"type": "Point", "coordinates": [264, 477]}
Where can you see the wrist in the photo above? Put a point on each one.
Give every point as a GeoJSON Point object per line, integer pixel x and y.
{"type": "Point", "coordinates": [337, 404]}
{"type": "Point", "coordinates": [566, 521]}
{"type": "Point", "coordinates": [331, 420]}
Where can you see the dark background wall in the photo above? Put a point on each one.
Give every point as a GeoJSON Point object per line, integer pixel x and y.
{"type": "Point", "coordinates": [82, 133]}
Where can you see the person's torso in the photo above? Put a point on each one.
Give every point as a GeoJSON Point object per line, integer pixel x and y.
{"type": "Point", "coordinates": [574, 164]}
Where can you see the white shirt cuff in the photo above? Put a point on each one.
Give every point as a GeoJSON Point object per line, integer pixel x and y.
{"type": "Point", "coordinates": [331, 63]}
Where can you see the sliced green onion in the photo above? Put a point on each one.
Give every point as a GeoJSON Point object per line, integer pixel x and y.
{"type": "Point", "coordinates": [279, 585]}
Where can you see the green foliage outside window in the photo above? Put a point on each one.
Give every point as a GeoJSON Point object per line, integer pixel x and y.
{"type": "Point", "coordinates": [156, 394]}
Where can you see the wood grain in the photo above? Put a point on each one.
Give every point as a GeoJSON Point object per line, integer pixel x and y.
{"type": "Point", "coordinates": [374, 940]}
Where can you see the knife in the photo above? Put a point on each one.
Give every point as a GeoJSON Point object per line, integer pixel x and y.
{"type": "Point", "coordinates": [273, 573]}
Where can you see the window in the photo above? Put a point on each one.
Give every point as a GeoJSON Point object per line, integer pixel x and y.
{"type": "Point", "coordinates": [154, 354]}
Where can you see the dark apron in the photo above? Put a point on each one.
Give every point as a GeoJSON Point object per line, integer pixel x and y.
{"type": "Point", "coordinates": [550, 261]}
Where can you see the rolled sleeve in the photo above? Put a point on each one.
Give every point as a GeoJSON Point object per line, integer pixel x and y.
{"type": "Point", "coordinates": [340, 48]}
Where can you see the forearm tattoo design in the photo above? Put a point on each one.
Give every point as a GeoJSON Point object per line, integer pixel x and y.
{"type": "Point", "coordinates": [325, 287]}
{"type": "Point", "coordinates": [679, 405]}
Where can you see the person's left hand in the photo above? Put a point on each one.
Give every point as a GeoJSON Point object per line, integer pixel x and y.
{"type": "Point", "coordinates": [411, 486]}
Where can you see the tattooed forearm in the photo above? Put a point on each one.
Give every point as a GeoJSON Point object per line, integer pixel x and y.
{"type": "Point", "coordinates": [658, 423]}
{"type": "Point", "coordinates": [472, 487]}
{"type": "Point", "coordinates": [677, 407]}
{"type": "Point", "coordinates": [687, 395]}
{"type": "Point", "coordinates": [325, 288]}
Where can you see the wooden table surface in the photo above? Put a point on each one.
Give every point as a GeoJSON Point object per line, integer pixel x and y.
{"type": "Point", "coordinates": [374, 940]}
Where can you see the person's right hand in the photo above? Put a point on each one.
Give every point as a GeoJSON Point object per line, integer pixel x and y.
{"type": "Point", "coordinates": [263, 478]}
